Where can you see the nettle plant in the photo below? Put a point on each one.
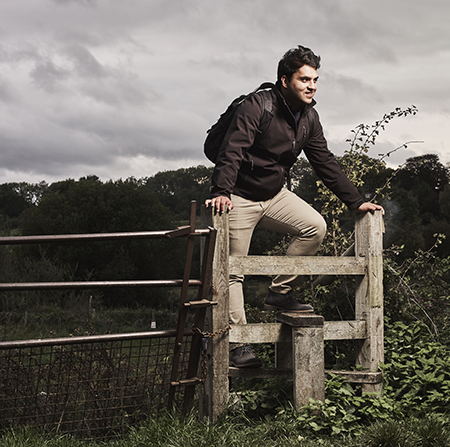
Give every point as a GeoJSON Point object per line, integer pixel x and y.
{"type": "Point", "coordinates": [356, 165]}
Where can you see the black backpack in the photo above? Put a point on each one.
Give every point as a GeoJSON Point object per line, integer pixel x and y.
{"type": "Point", "coordinates": [217, 132]}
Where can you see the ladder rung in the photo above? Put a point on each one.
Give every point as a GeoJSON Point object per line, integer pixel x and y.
{"type": "Point", "coordinates": [201, 303]}
{"type": "Point", "coordinates": [187, 382]}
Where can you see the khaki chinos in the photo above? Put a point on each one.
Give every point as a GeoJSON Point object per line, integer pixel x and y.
{"type": "Point", "coordinates": [285, 213]}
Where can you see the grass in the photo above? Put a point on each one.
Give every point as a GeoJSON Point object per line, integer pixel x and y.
{"type": "Point", "coordinates": [174, 431]}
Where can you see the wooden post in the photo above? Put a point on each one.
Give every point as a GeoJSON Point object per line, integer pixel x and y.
{"type": "Point", "coordinates": [213, 402]}
{"type": "Point", "coordinates": [307, 356]}
{"type": "Point", "coordinates": [369, 293]}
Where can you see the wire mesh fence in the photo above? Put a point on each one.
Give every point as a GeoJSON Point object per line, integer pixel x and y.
{"type": "Point", "coordinates": [98, 386]}
{"type": "Point", "coordinates": [91, 387]}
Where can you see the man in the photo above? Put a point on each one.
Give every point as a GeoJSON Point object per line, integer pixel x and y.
{"type": "Point", "coordinates": [250, 175]}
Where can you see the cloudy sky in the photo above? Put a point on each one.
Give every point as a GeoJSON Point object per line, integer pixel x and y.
{"type": "Point", "coordinates": [119, 88]}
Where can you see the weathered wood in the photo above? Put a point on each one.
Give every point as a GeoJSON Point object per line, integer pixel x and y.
{"type": "Point", "coordinates": [279, 333]}
{"type": "Point", "coordinates": [260, 373]}
{"type": "Point", "coordinates": [362, 377]}
{"type": "Point", "coordinates": [298, 319]}
{"type": "Point", "coordinates": [259, 333]}
{"type": "Point", "coordinates": [299, 338]}
{"type": "Point", "coordinates": [296, 265]}
{"type": "Point", "coordinates": [325, 280]}
{"type": "Point", "coordinates": [365, 377]}
{"type": "Point", "coordinates": [308, 360]}
{"type": "Point", "coordinates": [369, 292]}
{"type": "Point", "coordinates": [213, 403]}
{"type": "Point", "coordinates": [345, 330]}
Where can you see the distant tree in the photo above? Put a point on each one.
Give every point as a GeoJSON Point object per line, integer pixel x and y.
{"type": "Point", "coordinates": [419, 190]}
{"type": "Point", "coordinates": [11, 202]}
{"type": "Point", "coordinates": [90, 206]}
{"type": "Point", "coordinates": [14, 199]}
{"type": "Point", "coordinates": [176, 189]}
{"type": "Point", "coordinates": [426, 168]}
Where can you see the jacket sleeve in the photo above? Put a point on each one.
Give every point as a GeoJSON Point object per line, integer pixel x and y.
{"type": "Point", "coordinates": [238, 140]}
{"type": "Point", "coordinates": [328, 169]}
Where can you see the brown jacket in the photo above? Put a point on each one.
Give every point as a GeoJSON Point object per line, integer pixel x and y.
{"type": "Point", "coordinates": [256, 167]}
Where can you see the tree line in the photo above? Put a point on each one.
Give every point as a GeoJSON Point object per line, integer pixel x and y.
{"type": "Point", "coordinates": [416, 198]}
{"type": "Point", "coordinates": [417, 205]}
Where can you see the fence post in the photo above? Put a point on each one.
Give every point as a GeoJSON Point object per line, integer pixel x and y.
{"type": "Point", "coordinates": [369, 293]}
{"type": "Point", "coordinates": [216, 390]}
{"type": "Point", "coordinates": [308, 363]}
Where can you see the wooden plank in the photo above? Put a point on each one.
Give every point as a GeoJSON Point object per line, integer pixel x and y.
{"type": "Point", "coordinates": [279, 333]}
{"type": "Point", "coordinates": [369, 292]}
{"type": "Point", "coordinates": [299, 319]}
{"type": "Point", "coordinates": [296, 265]}
{"type": "Point", "coordinates": [259, 333]}
{"type": "Point", "coordinates": [260, 373]}
{"type": "Point", "coordinates": [367, 377]}
{"type": "Point", "coordinates": [214, 397]}
{"type": "Point", "coordinates": [345, 330]}
{"type": "Point", "coordinates": [308, 364]}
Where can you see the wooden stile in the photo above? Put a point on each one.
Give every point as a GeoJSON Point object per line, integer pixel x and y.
{"type": "Point", "coordinates": [299, 338]}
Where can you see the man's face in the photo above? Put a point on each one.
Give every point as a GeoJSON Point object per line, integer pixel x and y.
{"type": "Point", "coordinates": [300, 89]}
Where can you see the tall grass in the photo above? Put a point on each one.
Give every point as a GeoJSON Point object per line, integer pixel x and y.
{"type": "Point", "coordinates": [175, 431]}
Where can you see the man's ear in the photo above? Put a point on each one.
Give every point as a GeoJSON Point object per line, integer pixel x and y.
{"type": "Point", "coordinates": [284, 81]}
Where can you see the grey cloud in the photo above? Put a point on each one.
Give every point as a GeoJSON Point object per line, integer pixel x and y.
{"type": "Point", "coordinates": [75, 2]}
{"type": "Point", "coordinates": [17, 53]}
{"type": "Point", "coordinates": [48, 75]}
{"type": "Point", "coordinates": [6, 91]}
{"type": "Point", "coordinates": [85, 64]}
{"type": "Point", "coordinates": [116, 85]}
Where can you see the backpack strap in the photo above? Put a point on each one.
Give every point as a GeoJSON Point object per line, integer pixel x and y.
{"type": "Point", "coordinates": [267, 113]}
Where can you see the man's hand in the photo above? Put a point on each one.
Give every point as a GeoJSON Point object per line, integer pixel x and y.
{"type": "Point", "coordinates": [220, 203]}
{"type": "Point", "coordinates": [368, 206]}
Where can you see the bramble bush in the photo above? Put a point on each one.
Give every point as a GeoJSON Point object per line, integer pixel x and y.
{"type": "Point", "coordinates": [416, 383]}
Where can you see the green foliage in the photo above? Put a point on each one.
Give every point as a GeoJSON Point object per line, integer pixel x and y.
{"type": "Point", "coordinates": [342, 412]}
{"type": "Point", "coordinates": [256, 399]}
{"type": "Point", "coordinates": [416, 382]}
{"type": "Point", "coordinates": [91, 206]}
{"type": "Point", "coordinates": [417, 370]}
{"type": "Point", "coordinates": [418, 289]}
{"type": "Point", "coordinates": [417, 207]}
{"type": "Point", "coordinates": [176, 189]}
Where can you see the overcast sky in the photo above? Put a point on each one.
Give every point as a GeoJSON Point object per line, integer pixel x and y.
{"type": "Point", "coordinates": [119, 88]}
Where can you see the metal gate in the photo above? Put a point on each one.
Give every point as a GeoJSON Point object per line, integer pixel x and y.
{"type": "Point", "coordinates": [97, 386]}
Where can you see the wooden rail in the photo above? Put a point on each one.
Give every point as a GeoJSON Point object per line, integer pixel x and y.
{"type": "Point", "coordinates": [299, 338]}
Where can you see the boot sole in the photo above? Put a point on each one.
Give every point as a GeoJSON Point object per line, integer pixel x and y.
{"type": "Point", "coordinates": [247, 365]}
{"type": "Point", "coordinates": [270, 307]}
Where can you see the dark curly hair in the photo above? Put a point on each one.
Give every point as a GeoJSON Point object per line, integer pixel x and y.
{"type": "Point", "coordinates": [295, 59]}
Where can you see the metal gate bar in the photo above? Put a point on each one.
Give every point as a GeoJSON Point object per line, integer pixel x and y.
{"type": "Point", "coordinates": [92, 387]}
{"type": "Point", "coordinates": [96, 386]}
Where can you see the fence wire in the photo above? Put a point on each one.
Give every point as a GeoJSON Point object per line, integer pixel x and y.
{"type": "Point", "coordinates": [90, 387]}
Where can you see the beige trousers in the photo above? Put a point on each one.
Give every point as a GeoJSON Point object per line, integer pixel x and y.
{"type": "Point", "coordinates": [285, 213]}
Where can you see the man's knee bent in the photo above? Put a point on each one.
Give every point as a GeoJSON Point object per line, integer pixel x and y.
{"type": "Point", "coordinates": [321, 228]}
{"type": "Point", "coordinates": [316, 230]}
